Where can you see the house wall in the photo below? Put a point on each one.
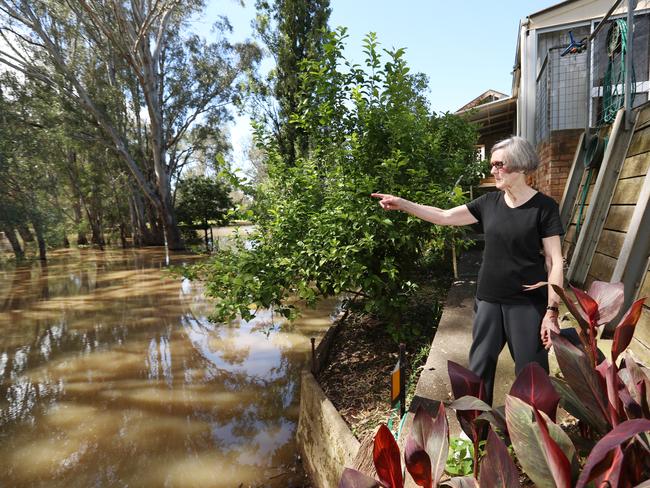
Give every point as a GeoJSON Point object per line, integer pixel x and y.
{"type": "Point", "coordinates": [555, 155]}
{"type": "Point", "coordinates": [532, 49]}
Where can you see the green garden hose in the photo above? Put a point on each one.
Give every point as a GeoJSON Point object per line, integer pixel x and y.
{"type": "Point", "coordinates": [613, 100]}
{"type": "Point", "coordinates": [613, 96]}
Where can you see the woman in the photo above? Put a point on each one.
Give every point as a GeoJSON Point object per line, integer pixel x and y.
{"type": "Point", "coordinates": [519, 223]}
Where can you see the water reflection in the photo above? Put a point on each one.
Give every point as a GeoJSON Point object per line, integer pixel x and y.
{"type": "Point", "coordinates": [111, 375]}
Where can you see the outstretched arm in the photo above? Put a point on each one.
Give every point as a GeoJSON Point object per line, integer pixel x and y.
{"type": "Point", "coordinates": [454, 216]}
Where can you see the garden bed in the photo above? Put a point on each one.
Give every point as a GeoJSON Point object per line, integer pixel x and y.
{"type": "Point", "coordinates": [357, 377]}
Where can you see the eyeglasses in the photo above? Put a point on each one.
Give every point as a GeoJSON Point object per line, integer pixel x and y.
{"type": "Point", "coordinates": [499, 166]}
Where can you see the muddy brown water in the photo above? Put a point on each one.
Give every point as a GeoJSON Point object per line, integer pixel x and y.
{"type": "Point", "coordinates": [111, 375]}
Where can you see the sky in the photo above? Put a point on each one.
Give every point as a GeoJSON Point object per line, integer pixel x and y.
{"type": "Point", "coordinates": [464, 47]}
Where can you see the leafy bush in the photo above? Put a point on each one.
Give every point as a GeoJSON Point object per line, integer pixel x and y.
{"type": "Point", "coordinates": [201, 201]}
{"type": "Point", "coordinates": [318, 232]}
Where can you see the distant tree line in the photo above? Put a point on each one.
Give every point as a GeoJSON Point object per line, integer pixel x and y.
{"type": "Point", "coordinates": [103, 105]}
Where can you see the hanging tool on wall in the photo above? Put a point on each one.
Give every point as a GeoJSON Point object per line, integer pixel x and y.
{"type": "Point", "coordinates": [574, 47]}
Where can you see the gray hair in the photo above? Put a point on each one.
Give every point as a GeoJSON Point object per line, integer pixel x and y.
{"type": "Point", "coordinates": [518, 154]}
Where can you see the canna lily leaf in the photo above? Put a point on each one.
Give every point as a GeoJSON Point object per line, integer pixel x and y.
{"type": "Point", "coordinates": [386, 457]}
{"type": "Point", "coordinates": [588, 305]}
{"type": "Point", "coordinates": [644, 392]}
{"type": "Point", "coordinates": [526, 440]}
{"type": "Point", "coordinates": [466, 383]}
{"type": "Point", "coordinates": [575, 311]}
{"type": "Point", "coordinates": [610, 391]}
{"type": "Point", "coordinates": [497, 418]}
{"type": "Point", "coordinates": [579, 374]}
{"type": "Point", "coordinates": [609, 299]}
{"type": "Point", "coordinates": [418, 463]}
{"type": "Point", "coordinates": [469, 402]}
{"type": "Point", "coordinates": [620, 434]}
{"type": "Point", "coordinates": [625, 329]}
{"type": "Point", "coordinates": [461, 482]}
{"type": "Point", "coordinates": [537, 285]}
{"type": "Point", "coordinates": [558, 463]}
{"type": "Point", "coordinates": [576, 407]}
{"type": "Point", "coordinates": [497, 467]}
{"type": "Point", "coordinates": [614, 386]}
{"type": "Point", "coordinates": [626, 377]}
{"type": "Point", "coordinates": [638, 382]}
{"type": "Point", "coordinates": [630, 394]}
{"type": "Point", "coordinates": [535, 388]}
{"type": "Point", "coordinates": [351, 478]}
{"type": "Point", "coordinates": [612, 473]}
{"type": "Point", "coordinates": [637, 372]}
{"type": "Point", "coordinates": [632, 408]}
{"type": "Point", "coordinates": [430, 437]}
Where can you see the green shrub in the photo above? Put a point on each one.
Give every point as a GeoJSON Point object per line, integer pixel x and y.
{"type": "Point", "coordinates": [318, 232]}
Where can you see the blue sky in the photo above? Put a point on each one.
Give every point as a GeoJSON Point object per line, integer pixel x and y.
{"type": "Point", "coordinates": [464, 47]}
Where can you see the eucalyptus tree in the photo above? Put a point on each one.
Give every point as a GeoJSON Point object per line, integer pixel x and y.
{"type": "Point", "coordinates": [165, 80]}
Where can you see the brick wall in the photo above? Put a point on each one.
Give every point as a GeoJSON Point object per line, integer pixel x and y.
{"type": "Point", "coordinates": [555, 158]}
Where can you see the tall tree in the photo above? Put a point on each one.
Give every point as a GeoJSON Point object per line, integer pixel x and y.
{"type": "Point", "coordinates": [293, 31]}
{"type": "Point", "coordinates": [174, 81]}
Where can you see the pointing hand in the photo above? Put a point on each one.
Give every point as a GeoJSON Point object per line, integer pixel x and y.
{"type": "Point", "coordinates": [389, 202]}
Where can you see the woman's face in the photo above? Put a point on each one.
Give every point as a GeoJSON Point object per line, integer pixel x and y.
{"type": "Point", "coordinates": [504, 178]}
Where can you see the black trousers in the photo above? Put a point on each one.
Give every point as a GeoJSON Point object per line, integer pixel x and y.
{"type": "Point", "coordinates": [497, 324]}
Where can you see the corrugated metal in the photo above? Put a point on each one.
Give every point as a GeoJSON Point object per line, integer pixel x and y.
{"type": "Point", "coordinates": [573, 11]}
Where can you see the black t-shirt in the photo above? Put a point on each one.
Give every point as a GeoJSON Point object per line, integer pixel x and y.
{"type": "Point", "coordinates": [513, 243]}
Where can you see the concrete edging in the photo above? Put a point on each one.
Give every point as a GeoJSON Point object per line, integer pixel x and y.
{"type": "Point", "coordinates": [325, 442]}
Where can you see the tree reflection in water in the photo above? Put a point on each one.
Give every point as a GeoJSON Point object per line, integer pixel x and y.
{"type": "Point", "coordinates": [112, 375]}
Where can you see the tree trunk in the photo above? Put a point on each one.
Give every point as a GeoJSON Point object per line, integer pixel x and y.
{"type": "Point", "coordinates": [138, 223]}
{"type": "Point", "coordinates": [97, 237]}
{"type": "Point", "coordinates": [66, 242]}
{"type": "Point", "coordinates": [156, 233]}
{"type": "Point", "coordinates": [172, 232]}
{"type": "Point", "coordinates": [135, 234]}
{"type": "Point", "coordinates": [42, 249]}
{"type": "Point", "coordinates": [81, 236]}
{"type": "Point", "coordinates": [123, 235]}
{"type": "Point", "coordinates": [10, 232]}
{"type": "Point", "coordinates": [205, 231]}
{"type": "Point", "coordinates": [152, 90]}
{"type": "Point", "coordinates": [25, 234]}
{"type": "Point", "coordinates": [77, 199]}
{"type": "Point", "coordinates": [94, 212]}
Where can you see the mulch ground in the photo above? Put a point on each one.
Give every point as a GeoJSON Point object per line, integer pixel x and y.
{"type": "Point", "coordinates": [363, 355]}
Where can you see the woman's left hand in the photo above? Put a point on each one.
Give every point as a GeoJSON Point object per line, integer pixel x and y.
{"type": "Point", "coordinates": [549, 324]}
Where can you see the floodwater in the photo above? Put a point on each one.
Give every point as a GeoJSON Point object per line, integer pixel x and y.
{"type": "Point", "coordinates": [111, 375]}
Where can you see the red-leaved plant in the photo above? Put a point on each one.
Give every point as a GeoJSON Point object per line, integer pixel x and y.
{"type": "Point", "coordinates": [612, 400]}
{"type": "Point", "coordinates": [425, 455]}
